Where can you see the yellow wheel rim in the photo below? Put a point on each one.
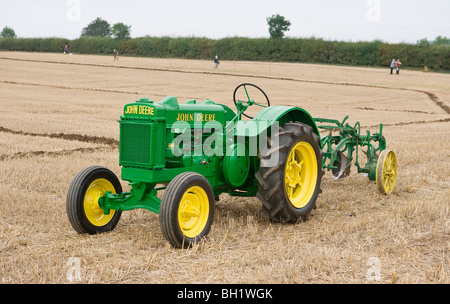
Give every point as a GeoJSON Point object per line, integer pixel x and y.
{"type": "Point", "coordinates": [387, 172]}
{"type": "Point", "coordinates": [96, 215]}
{"type": "Point", "coordinates": [193, 212]}
{"type": "Point", "coordinates": [300, 177]}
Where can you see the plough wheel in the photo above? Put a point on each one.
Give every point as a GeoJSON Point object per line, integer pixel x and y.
{"type": "Point", "coordinates": [386, 172]}
{"type": "Point", "coordinates": [289, 188]}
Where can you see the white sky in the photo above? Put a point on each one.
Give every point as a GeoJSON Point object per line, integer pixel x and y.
{"type": "Point", "coordinates": [349, 20]}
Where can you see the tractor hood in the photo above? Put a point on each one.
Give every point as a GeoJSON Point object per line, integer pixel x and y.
{"type": "Point", "coordinates": [171, 111]}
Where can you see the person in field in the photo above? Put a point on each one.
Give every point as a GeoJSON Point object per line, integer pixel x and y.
{"type": "Point", "coordinates": [398, 66]}
{"type": "Point", "coordinates": [66, 50]}
{"type": "Point", "coordinates": [216, 62]}
{"type": "Point", "coordinates": [116, 54]}
{"type": "Point", "coordinates": [393, 65]}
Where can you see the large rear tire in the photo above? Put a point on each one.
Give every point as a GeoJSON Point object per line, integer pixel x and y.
{"type": "Point", "coordinates": [289, 189]}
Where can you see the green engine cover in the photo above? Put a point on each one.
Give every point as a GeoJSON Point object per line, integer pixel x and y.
{"type": "Point", "coordinates": [236, 166]}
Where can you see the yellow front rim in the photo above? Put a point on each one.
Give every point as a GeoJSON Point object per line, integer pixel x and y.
{"type": "Point", "coordinates": [300, 177]}
{"type": "Point", "coordinates": [193, 212]}
{"type": "Point", "coordinates": [96, 215]}
{"type": "Point", "coordinates": [387, 178]}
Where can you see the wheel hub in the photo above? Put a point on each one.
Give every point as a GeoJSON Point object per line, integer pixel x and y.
{"type": "Point", "coordinates": [193, 212]}
{"type": "Point", "coordinates": [93, 212]}
{"type": "Point", "coordinates": [293, 174]}
{"type": "Point", "coordinates": [301, 174]}
{"type": "Point", "coordinates": [189, 213]}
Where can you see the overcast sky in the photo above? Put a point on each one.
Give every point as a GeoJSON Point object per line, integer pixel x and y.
{"type": "Point", "coordinates": [349, 20]}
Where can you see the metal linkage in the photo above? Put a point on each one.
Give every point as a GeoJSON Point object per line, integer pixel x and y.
{"type": "Point", "coordinates": [339, 149]}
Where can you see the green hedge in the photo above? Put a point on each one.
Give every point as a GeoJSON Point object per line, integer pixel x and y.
{"type": "Point", "coordinates": [307, 50]}
{"type": "Point", "coordinates": [33, 44]}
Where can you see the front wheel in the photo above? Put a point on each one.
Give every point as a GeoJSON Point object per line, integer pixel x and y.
{"type": "Point", "coordinates": [83, 209]}
{"type": "Point", "coordinates": [289, 189]}
{"type": "Point", "coordinates": [187, 210]}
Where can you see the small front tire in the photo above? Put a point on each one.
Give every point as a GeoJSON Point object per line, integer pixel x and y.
{"type": "Point", "coordinates": [83, 209]}
{"type": "Point", "coordinates": [187, 210]}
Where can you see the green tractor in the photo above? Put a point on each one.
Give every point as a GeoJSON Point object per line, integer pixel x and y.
{"type": "Point", "coordinates": [196, 151]}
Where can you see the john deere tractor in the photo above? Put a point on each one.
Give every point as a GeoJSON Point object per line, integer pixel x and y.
{"type": "Point", "coordinates": [179, 158]}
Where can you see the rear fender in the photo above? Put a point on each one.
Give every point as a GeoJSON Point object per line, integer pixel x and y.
{"type": "Point", "coordinates": [278, 114]}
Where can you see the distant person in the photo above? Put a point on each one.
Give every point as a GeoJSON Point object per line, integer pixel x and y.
{"type": "Point", "coordinates": [216, 62]}
{"type": "Point", "coordinates": [116, 55]}
{"type": "Point", "coordinates": [398, 66]}
{"type": "Point", "coordinates": [393, 65]}
{"type": "Point", "coordinates": [66, 50]}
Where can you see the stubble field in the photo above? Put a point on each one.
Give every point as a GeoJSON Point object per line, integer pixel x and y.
{"type": "Point", "coordinates": [59, 115]}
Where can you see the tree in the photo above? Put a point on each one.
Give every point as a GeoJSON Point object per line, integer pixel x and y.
{"type": "Point", "coordinates": [121, 31]}
{"type": "Point", "coordinates": [423, 42]}
{"type": "Point", "coordinates": [97, 28]}
{"type": "Point", "coordinates": [8, 32]}
{"type": "Point", "coordinates": [278, 25]}
{"type": "Point", "coordinates": [442, 40]}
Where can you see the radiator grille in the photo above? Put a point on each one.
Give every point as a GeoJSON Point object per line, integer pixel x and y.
{"type": "Point", "coordinates": [135, 144]}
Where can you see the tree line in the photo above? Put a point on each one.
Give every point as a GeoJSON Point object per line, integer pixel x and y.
{"type": "Point", "coordinates": [426, 56]}
{"type": "Point", "coordinates": [99, 37]}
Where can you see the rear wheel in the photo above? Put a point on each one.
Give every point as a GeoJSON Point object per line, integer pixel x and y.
{"type": "Point", "coordinates": [289, 189]}
{"type": "Point", "coordinates": [187, 210]}
{"type": "Point", "coordinates": [83, 209]}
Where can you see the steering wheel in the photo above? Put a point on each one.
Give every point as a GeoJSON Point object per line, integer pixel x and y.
{"type": "Point", "coordinates": [242, 105]}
